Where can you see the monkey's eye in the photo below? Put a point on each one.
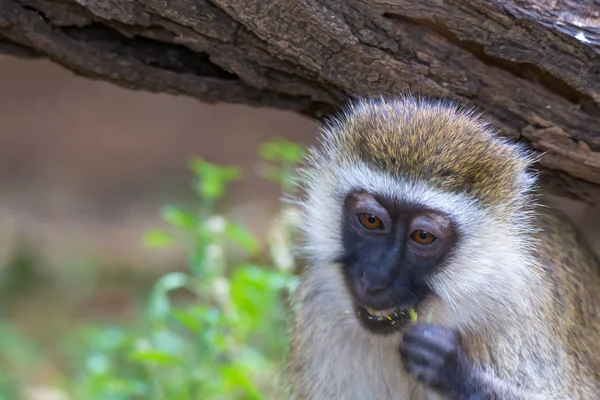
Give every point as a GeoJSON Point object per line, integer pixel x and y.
{"type": "Point", "coordinates": [370, 222]}
{"type": "Point", "coordinates": [422, 237]}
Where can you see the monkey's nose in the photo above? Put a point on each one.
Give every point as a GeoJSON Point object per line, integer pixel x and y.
{"type": "Point", "coordinates": [375, 282]}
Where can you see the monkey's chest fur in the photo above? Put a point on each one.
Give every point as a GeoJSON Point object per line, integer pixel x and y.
{"type": "Point", "coordinates": [375, 371]}
{"type": "Point", "coordinates": [340, 360]}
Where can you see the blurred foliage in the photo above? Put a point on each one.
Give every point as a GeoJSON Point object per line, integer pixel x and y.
{"type": "Point", "coordinates": [217, 330]}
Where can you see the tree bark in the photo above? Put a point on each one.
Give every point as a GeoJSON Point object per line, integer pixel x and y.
{"type": "Point", "coordinates": [533, 66]}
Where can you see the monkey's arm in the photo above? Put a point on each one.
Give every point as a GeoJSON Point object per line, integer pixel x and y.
{"type": "Point", "coordinates": [434, 356]}
{"type": "Point", "coordinates": [487, 386]}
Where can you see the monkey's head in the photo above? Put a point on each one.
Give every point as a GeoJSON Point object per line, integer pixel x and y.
{"type": "Point", "coordinates": [418, 205]}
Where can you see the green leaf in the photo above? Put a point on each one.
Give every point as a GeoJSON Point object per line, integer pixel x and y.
{"type": "Point", "coordinates": [281, 149]}
{"type": "Point", "coordinates": [155, 357]}
{"type": "Point", "coordinates": [242, 237]}
{"type": "Point", "coordinates": [178, 217]}
{"type": "Point", "coordinates": [190, 319]}
{"type": "Point", "coordinates": [269, 151]}
{"type": "Point", "coordinates": [157, 239]}
{"type": "Point", "coordinates": [210, 187]}
{"type": "Point", "coordinates": [292, 152]}
{"type": "Point", "coordinates": [198, 166]}
{"type": "Point", "coordinates": [230, 173]}
{"type": "Point", "coordinates": [160, 305]}
{"type": "Point", "coordinates": [237, 377]}
{"type": "Point", "coordinates": [211, 178]}
{"type": "Point", "coordinates": [251, 292]}
{"type": "Point", "coordinates": [172, 281]}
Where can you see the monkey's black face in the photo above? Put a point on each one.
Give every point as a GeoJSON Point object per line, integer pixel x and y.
{"type": "Point", "coordinates": [390, 250]}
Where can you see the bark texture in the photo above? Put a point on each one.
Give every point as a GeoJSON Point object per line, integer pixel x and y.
{"type": "Point", "coordinates": [533, 66]}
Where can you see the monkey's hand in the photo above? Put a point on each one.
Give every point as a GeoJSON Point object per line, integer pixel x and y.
{"type": "Point", "coordinates": [434, 355]}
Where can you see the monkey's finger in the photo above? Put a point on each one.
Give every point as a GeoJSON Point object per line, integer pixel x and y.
{"type": "Point", "coordinates": [440, 346]}
{"type": "Point", "coordinates": [423, 374]}
{"type": "Point", "coordinates": [422, 355]}
{"type": "Point", "coordinates": [441, 342]}
{"type": "Point", "coordinates": [432, 331]}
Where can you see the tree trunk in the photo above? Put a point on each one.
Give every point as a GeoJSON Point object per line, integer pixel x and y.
{"type": "Point", "coordinates": [533, 66]}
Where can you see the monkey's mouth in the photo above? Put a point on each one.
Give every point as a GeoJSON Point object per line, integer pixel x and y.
{"type": "Point", "coordinates": [383, 321]}
{"type": "Point", "coordinates": [381, 315]}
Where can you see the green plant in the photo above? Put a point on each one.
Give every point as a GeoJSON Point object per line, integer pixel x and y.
{"type": "Point", "coordinates": [215, 331]}
{"type": "Point", "coordinates": [18, 356]}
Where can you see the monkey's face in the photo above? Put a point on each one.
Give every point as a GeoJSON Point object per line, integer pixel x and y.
{"type": "Point", "coordinates": [390, 249]}
{"type": "Point", "coordinates": [417, 201]}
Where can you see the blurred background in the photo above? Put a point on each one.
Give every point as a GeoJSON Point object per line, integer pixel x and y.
{"type": "Point", "coordinates": [85, 167]}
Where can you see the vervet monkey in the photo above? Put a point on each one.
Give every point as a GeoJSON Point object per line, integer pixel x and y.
{"type": "Point", "coordinates": [417, 206]}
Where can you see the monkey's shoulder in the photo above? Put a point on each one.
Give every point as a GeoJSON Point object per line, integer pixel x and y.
{"type": "Point", "coordinates": [573, 272]}
{"type": "Point", "coordinates": [562, 248]}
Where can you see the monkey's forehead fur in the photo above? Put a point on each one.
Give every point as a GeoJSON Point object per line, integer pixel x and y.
{"type": "Point", "coordinates": [431, 141]}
